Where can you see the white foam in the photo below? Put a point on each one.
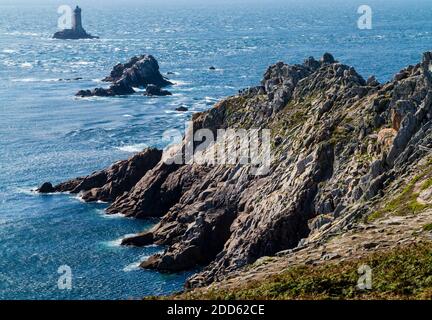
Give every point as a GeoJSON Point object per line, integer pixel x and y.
{"type": "Point", "coordinates": [132, 267]}
{"type": "Point", "coordinates": [135, 265]}
{"type": "Point", "coordinates": [117, 242]}
{"type": "Point", "coordinates": [26, 65]}
{"type": "Point", "coordinates": [34, 80]}
{"type": "Point", "coordinates": [111, 216]}
{"type": "Point", "coordinates": [133, 148]}
{"type": "Point", "coordinates": [79, 198]}
{"type": "Point", "coordinates": [27, 191]}
{"type": "Point", "coordinates": [180, 82]}
{"type": "Point", "coordinates": [17, 33]}
{"type": "Point", "coordinates": [9, 51]}
{"type": "Point", "coordinates": [114, 243]}
{"type": "Point", "coordinates": [128, 116]}
{"type": "Point", "coordinates": [82, 63]}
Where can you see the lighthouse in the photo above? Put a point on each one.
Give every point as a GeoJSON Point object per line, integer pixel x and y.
{"type": "Point", "coordinates": [77, 31]}
{"type": "Point", "coordinates": [76, 20]}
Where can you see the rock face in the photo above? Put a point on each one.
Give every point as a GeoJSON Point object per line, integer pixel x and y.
{"type": "Point", "coordinates": [77, 31]}
{"type": "Point", "coordinates": [107, 185]}
{"type": "Point", "coordinates": [142, 71]}
{"type": "Point", "coordinates": [341, 148]}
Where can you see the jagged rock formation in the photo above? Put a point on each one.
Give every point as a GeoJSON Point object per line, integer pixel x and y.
{"type": "Point", "coordinates": [107, 185]}
{"type": "Point", "coordinates": [141, 71]}
{"type": "Point", "coordinates": [342, 147]}
{"type": "Point", "coordinates": [77, 31]}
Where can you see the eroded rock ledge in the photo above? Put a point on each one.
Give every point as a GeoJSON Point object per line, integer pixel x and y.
{"type": "Point", "coordinates": [340, 144]}
{"type": "Point", "coordinates": [141, 71]}
{"type": "Point", "coordinates": [107, 185]}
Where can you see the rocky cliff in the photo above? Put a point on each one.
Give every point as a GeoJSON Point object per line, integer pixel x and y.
{"type": "Point", "coordinates": [345, 150]}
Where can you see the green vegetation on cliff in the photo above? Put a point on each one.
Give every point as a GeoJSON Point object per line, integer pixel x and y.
{"type": "Point", "coordinates": [401, 273]}
{"type": "Point", "coordinates": [407, 201]}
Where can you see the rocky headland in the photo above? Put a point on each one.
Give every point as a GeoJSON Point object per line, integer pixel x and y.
{"type": "Point", "coordinates": [139, 71]}
{"type": "Point", "coordinates": [351, 159]}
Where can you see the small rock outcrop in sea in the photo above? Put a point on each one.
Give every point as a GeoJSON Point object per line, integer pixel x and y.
{"type": "Point", "coordinates": [141, 71]}
{"type": "Point", "coordinates": [181, 109]}
{"type": "Point", "coordinates": [46, 187]}
{"type": "Point", "coordinates": [342, 147]}
{"type": "Point", "coordinates": [77, 31]}
{"type": "Point", "coordinates": [153, 90]}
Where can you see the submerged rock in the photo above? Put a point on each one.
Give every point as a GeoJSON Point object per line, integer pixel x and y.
{"type": "Point", "coordinates": [181, 109]}
{"type": "Point", "coordinates": [141, 71]}
{"type": "Point", "coordinates": [153, 90]}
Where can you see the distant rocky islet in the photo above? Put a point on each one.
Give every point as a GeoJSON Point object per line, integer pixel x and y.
{"type": "Point", "coordinates": [139, 71]}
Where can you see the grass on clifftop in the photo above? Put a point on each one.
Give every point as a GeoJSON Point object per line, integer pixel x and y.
{"type": "Point", "coordinates": [406, 202]}
{"type": "Point", "coordinates": [401, 273]}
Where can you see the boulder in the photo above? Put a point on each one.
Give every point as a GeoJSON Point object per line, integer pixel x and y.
{"type": "Point", "coordinates": [153, 90]}
{"type": "Point", "coordinates": [327, 58]}
{"type": "Point", "coordinates": [181, 109]}
{"type": "Point", "coordinates": [46, 187]}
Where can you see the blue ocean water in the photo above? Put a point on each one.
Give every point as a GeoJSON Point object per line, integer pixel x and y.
{"type": "Point", "coordinates": [46, 134]}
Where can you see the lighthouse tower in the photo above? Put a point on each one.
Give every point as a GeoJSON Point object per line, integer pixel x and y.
{"type": "Point", "coordinates": [77, 31]}
{"type": "Point", "coordinates": [76, 21]}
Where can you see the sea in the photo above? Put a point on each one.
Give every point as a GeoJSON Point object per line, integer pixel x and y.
{"type": "Point", "coordinates": [57, 247]}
